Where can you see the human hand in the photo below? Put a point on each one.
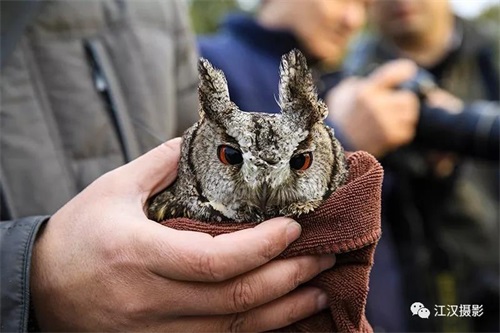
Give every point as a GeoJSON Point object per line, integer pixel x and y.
{"type": "Point", "coordinates": [439, 98]}
{"type": "Point", "coordinates": [99, 264]}
{"type": "Point", "coordinates": [373, 115]}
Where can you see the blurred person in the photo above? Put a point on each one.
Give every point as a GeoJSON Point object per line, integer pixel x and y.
{"type": "Point", "coordinates": [249, 48]}
{"type": "Point", "coordinates": [441, 209]}
{"type": "Point", "coordinates": [87, 87]}
{"type": "Point", "coordinates": [368, 112]}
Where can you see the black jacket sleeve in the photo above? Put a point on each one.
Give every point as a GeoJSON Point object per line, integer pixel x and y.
{"type": "Point", "coordinates": [16, 245]}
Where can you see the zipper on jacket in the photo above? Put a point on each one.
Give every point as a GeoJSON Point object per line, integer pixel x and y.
{"type": "Point", "coordinates": [102, 85]}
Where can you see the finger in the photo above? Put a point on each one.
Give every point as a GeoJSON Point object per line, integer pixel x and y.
{"type": "Point", "coordinates": [403, 135]}
{"type": "Point", "coordinates": [152, 171]}
{"type": "Point", "coordinates": [196, 256]}
{"type": "Point", "coordinates": [248, 291]}
{"type": "Point", "coordinates": [440, 98]}
{"type": "Point", "coordinates": [407, 106]}
{"type": "Point", "coordinates": [393, 73]}
{"type": "Point", "coordinates": [282, 312]}
{"type": "Point", "coordinates": [285, 311]}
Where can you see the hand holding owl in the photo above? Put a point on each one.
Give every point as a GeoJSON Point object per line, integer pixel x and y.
{"type": "Point", "coordinates": [101, 265]}
{"type": "Point", "coordinates": [238, 169]}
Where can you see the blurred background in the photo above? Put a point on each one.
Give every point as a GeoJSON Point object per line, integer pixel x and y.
{"type": "Point", "coordinates": [440, 210]}
{"type": "Point", "coordinates": [206, 14]}
{"type": "Point", "coordinates": [438, 140]}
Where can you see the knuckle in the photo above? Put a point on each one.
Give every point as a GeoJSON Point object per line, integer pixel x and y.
{"type": "Point", "coordinates": [297, 273]}
{"type": "Point", "coordinates": [237, 322]}
{"type": "Point", "coordinates": [243, 295]}
{"type": "Point", "coordinates": [208, 266]}
{"type": "Point", "coordinates": [116, 252]}
{"type": "Point", "coordinates": [110, 180]}
{"type": "Point", "coordinates": [293, 313]}
{"type": "Point", "coordinates": [135, 310]}
{"type": "Point", "coordinates": [132, 308]}
{"type": "Point", "coordinates": [270, 248]}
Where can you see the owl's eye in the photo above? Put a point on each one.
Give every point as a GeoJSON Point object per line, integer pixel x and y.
{"type": "Point", "coordinates": [228, 155]}
{"type": "Point", "coordinates": [301, 161]}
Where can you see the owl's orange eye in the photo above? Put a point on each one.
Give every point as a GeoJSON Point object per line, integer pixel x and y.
{"type": "Point", "coordinates": [301, 161]}
{"type": "Point", "coordinates": [228, 155]}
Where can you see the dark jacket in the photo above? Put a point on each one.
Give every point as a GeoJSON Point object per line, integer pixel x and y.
{"type": "Point", "coordinates": [86, 87]}
{"type": "Point", "coordinates": [249, 55]}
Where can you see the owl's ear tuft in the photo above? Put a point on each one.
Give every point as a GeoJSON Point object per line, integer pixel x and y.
{"type": "Point", "coordinates": [213, 92]}
{"type": "Point", "coordinates": [298, 96]}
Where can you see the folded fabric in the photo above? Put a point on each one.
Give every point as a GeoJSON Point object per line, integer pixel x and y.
{"type": "Point", "coordinates": [348, 225]}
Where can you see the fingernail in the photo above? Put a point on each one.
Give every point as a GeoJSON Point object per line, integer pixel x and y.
{"type": "Point", "coordinates": [327, 262]}
{"type": "Point", "coordinates": [322, 301]}
{"type": "Point", "coordinates": [293, 231]}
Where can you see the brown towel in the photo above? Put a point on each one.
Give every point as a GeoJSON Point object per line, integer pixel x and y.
{"type": "Point", "coordinates": [347, 224]}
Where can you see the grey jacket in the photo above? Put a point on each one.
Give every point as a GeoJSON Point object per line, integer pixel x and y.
{"type": "Point", "coordinates": [86, 86]}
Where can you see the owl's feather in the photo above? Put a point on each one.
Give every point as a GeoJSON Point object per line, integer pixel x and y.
{"type": "Point", "coordinates": [266, 182]}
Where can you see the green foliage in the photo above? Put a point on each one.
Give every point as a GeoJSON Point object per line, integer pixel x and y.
{"type": "Point", "coordinates": [206, 14]}
{"type": "Point", "coordinates": [490, 14]}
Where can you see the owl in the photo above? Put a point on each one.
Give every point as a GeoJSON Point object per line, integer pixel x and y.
{"type": "Point", "coordinates": [251, 166]}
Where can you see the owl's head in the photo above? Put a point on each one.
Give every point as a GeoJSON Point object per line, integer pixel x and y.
{"type": "Point", "coordinates": [252, 166]}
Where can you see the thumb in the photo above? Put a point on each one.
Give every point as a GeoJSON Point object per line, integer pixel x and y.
{"type": "Point", "coordinates": [153, 171]}
{"type": "Point", "coordinates": [393, 73]}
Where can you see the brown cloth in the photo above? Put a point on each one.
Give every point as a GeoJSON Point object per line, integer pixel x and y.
{"type": "Point", "coordinates": [347, 224]}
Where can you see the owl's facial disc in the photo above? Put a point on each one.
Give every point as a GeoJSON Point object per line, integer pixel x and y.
{"type": "Point", "coordinates": [264, 170]}
{"type": "Point", "coordinates": [265, 150]}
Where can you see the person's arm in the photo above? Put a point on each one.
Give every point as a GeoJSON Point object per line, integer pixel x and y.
{"type": "Point", "coordinates": [16, 244]}
{"type": "Point", "coordinates": [99, 264]}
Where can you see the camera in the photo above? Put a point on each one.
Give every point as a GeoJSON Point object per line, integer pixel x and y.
{"type": "Point", "coordinates": [472, 132]}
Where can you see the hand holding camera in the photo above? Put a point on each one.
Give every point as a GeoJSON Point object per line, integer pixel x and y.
{"type": "Point", "coordinates": [399, 103]}
{"type": "Point", "coordinates": [448, 124]}
{"type": "Point", "coordinates": [371, 113]}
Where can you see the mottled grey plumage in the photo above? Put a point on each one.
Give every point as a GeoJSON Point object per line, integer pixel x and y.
{"type": "Point", "coordinates": [264, 185]}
